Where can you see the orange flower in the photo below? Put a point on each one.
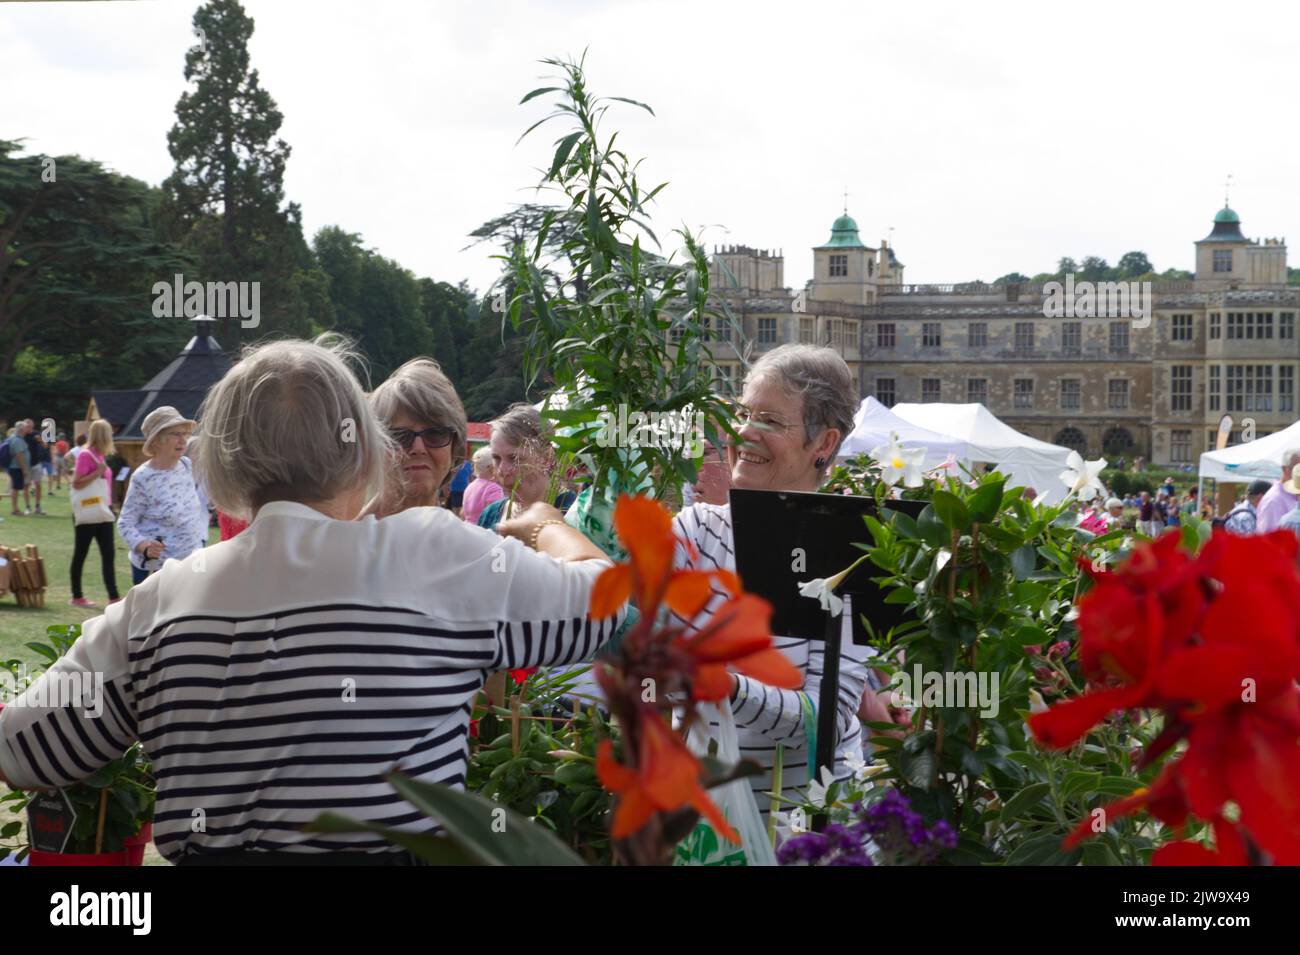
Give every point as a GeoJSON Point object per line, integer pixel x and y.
{"type": "Point", "coordinates": [668, 778]}
{"type": "Point", "coordinates": [645, 528]}
{"type": "Point", "coordinates": [738, 635]}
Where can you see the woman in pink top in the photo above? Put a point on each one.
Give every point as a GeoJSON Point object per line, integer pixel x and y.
{"type": "Point", "coordinates": [482, 491]}
{"type": "Point", "coordinates": [90, 465]}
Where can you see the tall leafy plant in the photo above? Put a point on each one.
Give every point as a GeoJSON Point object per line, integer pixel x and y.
{"type": "Point", "coordinates": [608, 319]}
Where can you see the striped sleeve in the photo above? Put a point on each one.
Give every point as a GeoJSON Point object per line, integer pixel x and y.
{"type": "Point", "coordinates": [779, 714]}
{"type": "Point", "coordinates": [75, 718]}
{"type": "Point", "coordinates": [545, 620]}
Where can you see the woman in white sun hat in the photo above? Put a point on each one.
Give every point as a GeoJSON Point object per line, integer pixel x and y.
{"type": "Point", "coordinates": [162, 517]}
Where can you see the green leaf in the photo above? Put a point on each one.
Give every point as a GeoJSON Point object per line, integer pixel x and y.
{"type": "Point", "coordinates": [1023, 561]}
{"type": "Point", "coordinates": [1076, 783]}
{"type": "Point", "coordinates": [931, 529]}
{"type": "Point", "coordinates": [986, 501]}
{"type": "Point", "coordinates": [538, 92]}
{"type": "Point", "coordinates": [492, 833]}
{"type": "Point", "coordinates": [624, 99]}
{"type": "Point", "coordinates": [562, 152]}
{"type": "Point", "coordinates": [43, 650]}
{"type": "Point", "coordinates": [1117, 785]}
{"type": "Point", "coordinates": [437, 849]}
{"type": "Point", "coordinates": [1042, 850]}
{"type": "Point", "coordinates": [1029, 797]}
{"type": "Point", "coordinates": [952, 511]}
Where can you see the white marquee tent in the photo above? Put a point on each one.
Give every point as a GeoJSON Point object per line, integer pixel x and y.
{"type": "Point", "coordinates": [1261, 458]}
{"type": "Point", "coordinates": [1026, 461]}
{"type": "Point", "coordinates": [873, 423]}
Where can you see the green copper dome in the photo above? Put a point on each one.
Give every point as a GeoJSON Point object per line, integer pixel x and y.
{"type": "Point", "coordinates": [844, 234]}
{"type": "Point", "coordinates": [1226, 215]}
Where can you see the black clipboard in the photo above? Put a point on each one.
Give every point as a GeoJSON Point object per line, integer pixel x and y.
{"type": "Point", "coordinates": [769, 526]}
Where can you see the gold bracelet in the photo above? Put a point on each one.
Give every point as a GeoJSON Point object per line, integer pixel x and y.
{"type": "Point", "coordinates": [532, 542]}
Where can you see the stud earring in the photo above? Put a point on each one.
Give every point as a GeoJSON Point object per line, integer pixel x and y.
{"type": "Point", "coordinates": [819, 463]}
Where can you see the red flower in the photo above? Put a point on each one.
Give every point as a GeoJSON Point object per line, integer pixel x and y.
{"type": "Point", "coordinates": [1214, 642]}
{"type": "Point", "coordinates": [521, 675]}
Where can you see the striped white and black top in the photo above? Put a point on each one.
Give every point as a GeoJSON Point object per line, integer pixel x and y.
{"type": "Point", "coordinates": [280, 674]}
{"type": "Point", "coordinates": [767, 716]}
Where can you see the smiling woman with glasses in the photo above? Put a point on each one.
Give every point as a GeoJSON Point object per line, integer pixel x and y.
{"type": "Point", "coordinates": [426, 421]}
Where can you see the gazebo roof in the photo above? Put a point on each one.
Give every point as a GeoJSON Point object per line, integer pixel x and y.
{"type": "Point", "coordinates": [182, 384]}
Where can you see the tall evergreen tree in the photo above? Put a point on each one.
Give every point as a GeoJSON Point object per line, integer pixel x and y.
{"type": "Point", "coordinates": [224, 199]}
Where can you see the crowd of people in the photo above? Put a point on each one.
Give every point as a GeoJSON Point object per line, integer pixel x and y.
{"type": "Point", "coordinates": [398, 564]}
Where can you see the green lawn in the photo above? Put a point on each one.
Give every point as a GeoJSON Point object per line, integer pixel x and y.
{"type": "Point", "coordinates": [52, 533]}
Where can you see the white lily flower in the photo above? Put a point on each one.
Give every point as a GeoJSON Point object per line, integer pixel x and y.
{"type": "Point", "coordinates": [1036, 702]}
{"type": "Point", "coordinates": [862, 770]}
{"type": "Point", "coordinates": [1081, 476]}
{"type": "Point", "coordinates": [822, 589]}
{"type": "Point", "coordinates": [897, 462]}
{"type": "Point", "coordinates": [817, 787]}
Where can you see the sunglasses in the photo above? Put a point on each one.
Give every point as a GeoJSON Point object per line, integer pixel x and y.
{"type": "Point", "coordinates": [435, 437]}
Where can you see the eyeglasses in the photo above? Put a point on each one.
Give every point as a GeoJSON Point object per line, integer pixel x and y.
{"type": "Point", "coordinates": [435, 437]}
{"type": "Point", "coordinates": [764, 419]}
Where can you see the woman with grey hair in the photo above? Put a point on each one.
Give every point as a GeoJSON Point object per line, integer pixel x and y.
{"type": "Point", "coordinates": [284, 672]}
{"type": "Point", "coordinates": [425, 419]}
{"type": "Point", "coordinates": [796, 409]}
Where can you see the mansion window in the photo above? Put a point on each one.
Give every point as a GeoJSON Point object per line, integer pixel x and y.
{"type": "Point", "coordinates": [1024, 393]}
{"type": "Point", "coordinates": [724, 379]}
{"type": "Point", "coordinates": [1216, 388]}
{"type": "Point", "coordinates": [885, 392]}
{"type": "Point", "coordinates": [1071, 337]}
{"type": "Point", "coordinates": [930, 389]}
{"type": "Point", "coordinates": [1071, 394]}
{"type": "Point", "coordinates": [766, 331]}
{"type": "Point", "coordinates": [1286, 325]}
{"type": "Point", "coordinates": [977, 334]}
{"type": "Point", "coordinates": [885, 335]}
{"type": "Point", "coordinates": [1119, 338]}
{"type": "Point", "coordinates": [977, 391]}
{"type": "Point", "coordinates": [839, 266]}
{"type": "Point", "coordinates": [808, 331]}
{"type": "Point", "coordinates": [1180, 379]}
{"type": "Point", "coordinates": [1180, 446]}
{"type": "Point", "coordinates": [1223, 260]}
{"type": "Point", "coordinates": [1216, 321]}
{"type": "Point", "coordinates": [1250, 325]}
{"type": "Point", "coordinates": [1024, 336]}
{"type": "Point", "coordinates": [1249, 388]}
{"type": "Point", "coordinates": [930, 335]}
{"type": "Point", "coordinates": [1182, 328]}
{"type": "Point", "coordinates": [1117, 394]}
{"type": "Point", "coordinates": [1286, 388]}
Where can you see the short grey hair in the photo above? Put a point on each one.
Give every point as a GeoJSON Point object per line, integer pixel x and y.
{"type": "Point", "coordinates": [821, 377]}
{"type": "Point", "coordinates": [521, 424]}
{"type": "Point", "coordinates": [420, 389]}
{"type": "Point", "coordinates": [290, 422]}
{"type": "Point", "coordinates": [483, 461]}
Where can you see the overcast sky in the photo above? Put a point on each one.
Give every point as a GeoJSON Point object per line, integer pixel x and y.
{"type": "Point", "coordinates": [992, 137]}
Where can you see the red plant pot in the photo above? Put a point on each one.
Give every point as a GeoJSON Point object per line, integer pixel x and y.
{"type": "Point", "coordinates": [131, 853]}
{"type": "Point", "coordinates": [37, 857]}
{"type": "Point", "coordinates": [135, 845]}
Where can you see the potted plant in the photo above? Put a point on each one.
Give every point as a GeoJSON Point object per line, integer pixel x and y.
{"type": "Point", "coordinates": [106, 819]}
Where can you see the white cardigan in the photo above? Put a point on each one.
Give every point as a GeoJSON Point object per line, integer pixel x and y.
{"type": "Point", "coordinates": [280, 674]}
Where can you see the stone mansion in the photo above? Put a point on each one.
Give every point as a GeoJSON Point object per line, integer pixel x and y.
{"type": "Point", "coordinates": [1223, 342]}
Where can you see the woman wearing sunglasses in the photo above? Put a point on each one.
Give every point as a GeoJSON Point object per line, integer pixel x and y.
{"type": "Point", "coordinates": [426, 420]}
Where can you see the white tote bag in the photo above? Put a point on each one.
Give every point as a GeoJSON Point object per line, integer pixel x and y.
{"type": "Point", "coordinates": [735, 799]}
{"type": "Point", "coordinates": [91, 505]}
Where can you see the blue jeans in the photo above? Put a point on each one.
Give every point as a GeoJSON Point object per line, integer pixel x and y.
{"type": "Point", "coordinates": [138, 575]}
